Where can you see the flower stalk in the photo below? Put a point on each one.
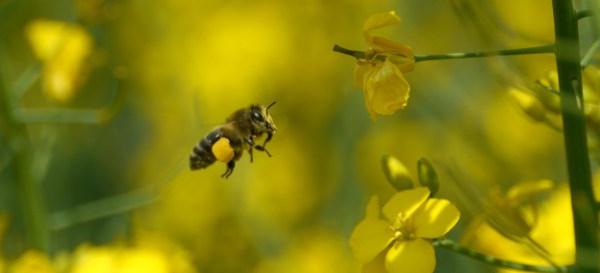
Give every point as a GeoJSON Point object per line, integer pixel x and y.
{"type": "Point", "coordinates": [453, 246]}
{"type": "Point", "coordinates": [544, 49]}
{"type": "Point", "coordinates": [568, 66]}
{"type": "Point", "coordinates": [30, 192]}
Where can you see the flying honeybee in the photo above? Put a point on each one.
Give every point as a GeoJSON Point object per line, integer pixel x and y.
{"type": "Point", "coordinates": [227, 142]}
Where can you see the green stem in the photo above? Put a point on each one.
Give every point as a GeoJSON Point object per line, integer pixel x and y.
{"type": "Point", "coordinates": [354, 53]}
{"type": "Point", "coordinates": [583, 14]}
{"type": "Point", "coordinates": [480, 54]}
{"type": "Point", "coordinates": [589, 55]}
{"type": "Point", "coordinates": [459, 55]}
{"type": "Point", "coordinates": [29, 190]}
{"type": "Point", "coordinates": [585, 219]}
{"type": "Point", "coordinates": [111, 206]}
{"type": "Point", "coordinates": [453, 246]}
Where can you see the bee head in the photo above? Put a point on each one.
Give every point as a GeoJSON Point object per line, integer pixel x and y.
{"type": "Point", "coordinates": [261, 119]}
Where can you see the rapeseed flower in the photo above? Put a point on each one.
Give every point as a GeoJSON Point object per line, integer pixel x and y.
{"type": "Point", "coordinates": [62, 49]}
{"type": "Point", "coordinates": [402, 238]}
{"type": "Point", "coordinates": [380, 74]}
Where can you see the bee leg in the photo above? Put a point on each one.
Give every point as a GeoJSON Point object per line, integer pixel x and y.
{"type": "Point", "coordinates": [264, 146]}
{"type": "Point", "coordinates": [263, 149]}
{"type": "Point", "coordinates": [251, 145]}
{"type": "Point", "coordinates": [251, 155]}
{"type": "Point", "coordinates": [229, 171]}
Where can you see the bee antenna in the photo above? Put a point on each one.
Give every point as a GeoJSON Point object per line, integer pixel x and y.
{"type": "Point", "coordinates": [271, 105]}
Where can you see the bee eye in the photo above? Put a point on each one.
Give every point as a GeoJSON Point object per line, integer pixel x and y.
{"type": "Point", "coordinates": [257, 117]}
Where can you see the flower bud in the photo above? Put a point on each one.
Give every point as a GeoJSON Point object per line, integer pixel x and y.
{"type": "Point", "coordinates": [396, 173]}
{"type": "Point", "coordinates": [428, 176]}
{"type": "Point", "coordinates": [529, 103]}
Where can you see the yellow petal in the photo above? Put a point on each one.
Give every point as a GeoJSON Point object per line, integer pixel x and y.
{"type": "Point", "coordinates": [373, 208]}
{"type": "Point", "coordinates": [33, 261]}
{"type": "Point", "coordinates": [62, 48]}
{"type": "Point", "coordinates": [415, 256]}
{"type": "Point", "coordinates": [45, 37]}
{"type": "Point", "coordinates": [404, 63]}
{"type": "Point", "coordinates": [58, 83]}
{"type": "Point", "coordinates": [362, 71]}
{"type": "Point", "coordinates": [390, 90]}
{"type": "Point", "coordinates": [405, 202]}
{"type": "Point", "coordinates": [222, 150]}
{"type": "Point", "coordinates": [369, 238]}
{"type": "Point", "coordinates": [527, 190]}
{"type": "Point", "coordinates": [51, 39]}
{"type": "Point", "coordinates": [379, 20]}
{"type": "Point", "coordinates": [435, 218]}
{"type": "Point", "coordinates": [384, 45]}
{"type": "Point", "coordinates": [377, 265]}
{"type": "Point", "coordinates": [531, 105]}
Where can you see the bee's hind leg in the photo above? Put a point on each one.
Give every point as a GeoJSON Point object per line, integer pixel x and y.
{"type": "Point", "coordinates": [229, 171]}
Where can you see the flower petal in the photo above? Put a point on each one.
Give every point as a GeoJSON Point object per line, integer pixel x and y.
{"type": "Point", "coordinates": [435, 218]}
{"type": "Point", "coordinates": [380, 20]}
{"type": "Point", "coordinates": [369, 238]}
{"type": "Point", "coordinates": [62, 48]}
{"type": "Point", "coordinates": [525, 191]}
{"type": "Point", "coordinates": [415, 256]}
{"type": "Point", "coordinates": [405, 202]}
{"type": "Point", "coordinates": [362, 71]}
{"type": "Point", "coordinates": [377, 265]}
{"type": "Point", "coordinates": [384, 45]}
{"type": "Point", "coordinates": [373, 208]}
{"type": "Point", "coordinates": [390, 90]}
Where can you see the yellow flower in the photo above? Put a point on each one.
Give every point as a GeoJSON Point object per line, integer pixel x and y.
{"type": "Point", "coordinates": [33, 261]}
{"type": "Point", "coordinates": [531, 105]}
{"type": "Point", "coordinates": [380, 74]}
{"type": "Point", "coordinates": [62, 49]}
{"type": "Point", "coordinates": [402, 237]}
{"type": "Point", "coordinates": [148, 258]}
{"type": "Point", "coordinates": [553, 229]}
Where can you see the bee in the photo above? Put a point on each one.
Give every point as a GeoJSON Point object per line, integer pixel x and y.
{"type": "Point", "coordinates": [227, 142]}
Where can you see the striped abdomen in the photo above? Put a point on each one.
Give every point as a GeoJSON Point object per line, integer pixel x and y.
{"type": "Point", "coordinates": [202, 155]}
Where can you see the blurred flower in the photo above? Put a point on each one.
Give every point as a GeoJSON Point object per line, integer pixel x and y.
{"type": "Point", "coordinates": [514, 213]}
{"type": "Point", "coordinates": [32, 261]}
{"type": "Point", "coordinates": [380, 73]}
{"type": "Point", "coordinates": [512, 144]}
{"type": "Point", "coordinates": [529, 104]}
{"type": "Point", "coordinates": [411, 220]}
{"type": "Point", "coordinates": [542, 103]}
{"type": "Point", "coordinates": [312, 252]}
{"type": "Point", "coordinates": [141, 257]}
{"type": "Point", "coordinates": [553, 230]}
{"type": "Point", "coordinates": [62, 48]}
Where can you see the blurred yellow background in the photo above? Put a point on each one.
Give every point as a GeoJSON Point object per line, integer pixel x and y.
{"type": "Point", "coordinates": [170, 71]}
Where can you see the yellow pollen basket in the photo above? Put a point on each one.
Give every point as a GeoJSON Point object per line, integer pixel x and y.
{"type": "Point", "coordinates": [222, 150]}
